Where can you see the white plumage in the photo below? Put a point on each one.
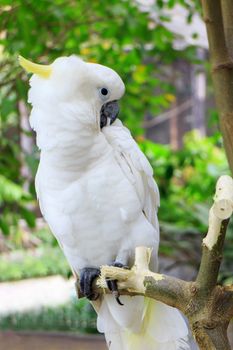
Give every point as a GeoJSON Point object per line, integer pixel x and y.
{"type": "Point", "coordinates": [97, 193]}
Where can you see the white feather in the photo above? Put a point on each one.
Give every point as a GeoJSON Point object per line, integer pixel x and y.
{"type": "Point", "coordinates": [146, 324]}
{"type": "Point", "coordinates": [136, 167]}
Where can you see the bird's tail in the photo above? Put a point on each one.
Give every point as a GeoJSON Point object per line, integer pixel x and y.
{"type": "Point", "coordinates": [142, 323]}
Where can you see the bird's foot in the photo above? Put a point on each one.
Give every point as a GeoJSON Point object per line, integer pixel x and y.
{"type": "Point", "coordinates": [87, 276]}
{"type": "Point", "coordinates": [112, 284]}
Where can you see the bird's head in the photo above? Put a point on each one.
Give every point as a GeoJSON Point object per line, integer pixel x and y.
{"type": "Point", "coordinates": [90, 88]}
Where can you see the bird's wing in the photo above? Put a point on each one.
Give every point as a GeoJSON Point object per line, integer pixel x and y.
{"type": "Point", "coordinates": [136, 168]}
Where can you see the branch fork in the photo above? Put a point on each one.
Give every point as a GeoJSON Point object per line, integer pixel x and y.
{"type": "Point", "coordinates": [132, 280]}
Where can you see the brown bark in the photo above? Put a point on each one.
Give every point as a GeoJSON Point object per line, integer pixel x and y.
{"type": "Point", "coordinates": [227, 13]}
{"type": "Point", "coordinates": [210, 262]}
{"type": "Point", "coordinates": [218, 18]}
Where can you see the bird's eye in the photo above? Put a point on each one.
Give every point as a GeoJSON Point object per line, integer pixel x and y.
{"type": "Point", "coordinates": [104, 91]}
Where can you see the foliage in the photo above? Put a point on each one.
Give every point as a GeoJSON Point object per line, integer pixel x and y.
{"type": "Point", "coordinates": [98, 31]}
{"type": "Point", "coordinates": [37, 263]}
{"type": "Point", "coordinates": [75, 316]}
{"type": "Point", "coordinates": [14, 199]}
{"type": "Point", "coordinates": [187, 178]}
{"type": "Point", "coordinates": [114, 33]}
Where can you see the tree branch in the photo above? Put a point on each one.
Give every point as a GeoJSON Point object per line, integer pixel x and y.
{"type": "Point", "coordinates": [212, 247]}
{"type": "Point", "coordinates": [211, 259]}
{"type": "Point", "coordinates": [141, 281]}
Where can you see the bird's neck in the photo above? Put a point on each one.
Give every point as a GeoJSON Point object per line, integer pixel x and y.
{"type": "Point", "coordinates": [69, 151]}
{"type": "Point", "coordinates": [76, 151]}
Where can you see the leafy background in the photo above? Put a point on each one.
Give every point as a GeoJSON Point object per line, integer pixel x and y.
{"type": "Point", "coordinates": [119, 35]}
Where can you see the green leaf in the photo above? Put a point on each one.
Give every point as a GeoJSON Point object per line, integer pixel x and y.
{"type": "Point", "coordinates": [29, 216]}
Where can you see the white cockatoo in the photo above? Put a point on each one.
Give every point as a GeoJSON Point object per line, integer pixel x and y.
{"type": "Point", "coordinates": [97, 193]}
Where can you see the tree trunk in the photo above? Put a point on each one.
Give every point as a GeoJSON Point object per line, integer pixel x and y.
{"type": "Point", "coordinates": [218, 16]}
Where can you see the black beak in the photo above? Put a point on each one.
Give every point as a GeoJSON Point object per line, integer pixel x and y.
{"type": "Point", "coordinates": [109, 110]}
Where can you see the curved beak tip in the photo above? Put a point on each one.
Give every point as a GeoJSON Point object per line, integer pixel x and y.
{"type": "Point", "coordinates": [109, 111]}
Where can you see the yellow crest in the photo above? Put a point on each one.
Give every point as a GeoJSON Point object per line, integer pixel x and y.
{"type": "Point", "coordinates": [43, 71]}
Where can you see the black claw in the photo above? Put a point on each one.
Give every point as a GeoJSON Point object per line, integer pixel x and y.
{"type": "Point", "coordinates": [118, 264]}
{"type": "Point", "coordinates": [112, 284]}
{"type": "Point", "coordinates": [118, 301]}
{"type": "Point", "coordinates": [87, 276]}
{"type": "Point", "coordinates": [117, 297]}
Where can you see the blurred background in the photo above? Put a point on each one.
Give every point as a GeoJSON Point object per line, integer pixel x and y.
{"type": "Point", "coordinates": [160, 49]}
